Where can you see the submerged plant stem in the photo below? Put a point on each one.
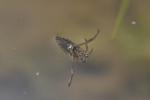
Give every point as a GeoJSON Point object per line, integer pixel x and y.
{"type": "Point", "coordinates": [122, 12]}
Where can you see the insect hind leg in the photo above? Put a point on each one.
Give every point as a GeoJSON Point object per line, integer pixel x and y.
{"type": "Point", "coordinates": [86, 46]}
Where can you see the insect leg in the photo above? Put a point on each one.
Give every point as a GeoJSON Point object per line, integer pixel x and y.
{"type": "Point", "coordinates": [90, 51]}
{"type": "Point", "coordinates": [86, 46]}
{"type": "Point", "coordinates": [71, 76]}
{"type": "Point", "coordinates": [90, 40]}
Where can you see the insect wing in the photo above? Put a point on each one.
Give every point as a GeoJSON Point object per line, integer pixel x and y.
{"type": "Point", "coordinates": [64, 43]}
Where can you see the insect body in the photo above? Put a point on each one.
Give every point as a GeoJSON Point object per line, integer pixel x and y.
{"type": "Point", "coordinates": [69, 47]}
{"type": "Point", "coordinates": [75, 51]}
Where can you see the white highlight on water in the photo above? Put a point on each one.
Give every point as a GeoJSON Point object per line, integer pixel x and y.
{"type": "Point", "coordinates": [37, 73]}
{"type": "Point", "coordinates": [133, 22]}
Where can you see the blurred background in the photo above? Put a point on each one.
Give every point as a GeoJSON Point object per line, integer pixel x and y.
{"type": "Point", "coordinates": [33, 67]}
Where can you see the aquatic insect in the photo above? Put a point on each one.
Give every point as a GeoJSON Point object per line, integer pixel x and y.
{"type": "Point", "coordinates": [77, 53]}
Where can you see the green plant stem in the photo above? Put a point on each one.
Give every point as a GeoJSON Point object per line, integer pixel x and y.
{"type": "Point", "coordinates": [122, 12]}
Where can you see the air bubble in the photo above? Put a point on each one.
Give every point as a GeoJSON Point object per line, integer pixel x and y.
{"type": "Point", "coordinates": [133, 22]}
{"type": "Point", "coordinates": [37, 74]}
